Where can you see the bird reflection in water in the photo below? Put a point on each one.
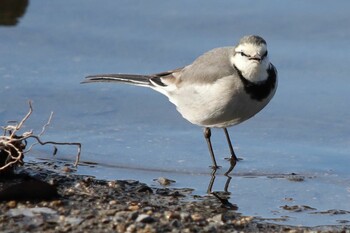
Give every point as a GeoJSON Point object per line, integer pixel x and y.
{"type": "Point", "coordinates": [223, 196]}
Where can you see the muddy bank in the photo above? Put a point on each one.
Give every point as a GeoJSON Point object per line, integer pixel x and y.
{"type": "Point", "coordinates": [51, 198]}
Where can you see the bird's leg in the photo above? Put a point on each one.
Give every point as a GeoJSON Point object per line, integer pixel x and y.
{"type": "Point", "coordinates": [233, 159]}
{"type": "Point", "coordinates": [207, 135]}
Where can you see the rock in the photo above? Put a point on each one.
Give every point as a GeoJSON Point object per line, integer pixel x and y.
{"type": "Point", "coordinates": [12, 204]}
{"type": "Point", "coordinates": [29, 190]}
{"type": "Point", "coordinates": [100, 206]}
{"type": "Point", "coordinates": [113, 202]}
{"type": "Point", "coordinates": [145, 218]}
{"type": "Point", "coordinates": [144, 189]}
{"type": "Point", "coordinates": [172, 215]}
{"type": "Point", "coordinates": [175, 223]}
{"type": "Point", "coordinates": [185, 216]}
{"type": "Point", "coordinates": [297, 208]}
{"type": "Point", "coordinates": [30, 212]}
{"type": "Point", "coordinates": [133, 215]}
{"type": "Point", "coordinates": [67, 169]}
{"type": "Point", "coordinates": [164, 181]}
{"type": "Point", "coordinates": [243, 221]}
{"type": "Point", "coordinates": [133, 206]}
{"type": "Point", "coordinates": [197, 217]}
{"type": "Point", "coordinates": [217, 218]}
{"type": "Point", "coordinates": [56, 203]}
{"type": "Point", "coordinates": [296, 178]}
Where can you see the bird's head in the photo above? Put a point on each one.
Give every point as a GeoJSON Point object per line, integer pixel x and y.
{"type": "Point", "coordinates": [250, 55]}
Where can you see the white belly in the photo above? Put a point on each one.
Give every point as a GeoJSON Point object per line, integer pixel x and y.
{"type": "Point", "coordinates": [222, 104]}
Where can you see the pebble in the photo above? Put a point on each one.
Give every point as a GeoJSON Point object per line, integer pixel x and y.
{"type": "Point", "coordinates": [296, 178]}
{"type": "Point", "coordinates": [164, 181]}
{"type": "Point", "coordinates": [145, 218]}
{"type": "Point", "coordinates": [243, 221]}
{"type": "Point", "coordinates": [67, 169]}
{"type": "Point", "coordinates": [111, 184]}
{"type": "Point", "coordinates": [133, 215]}
{"type": "Point", "coordinates": [121, 227]}
{"type": "Point", "coordinates": [133, 206]}
{"type": "Point", "coordinates": [11, 204]}
{"type": "Point", "coordinates": [113, 202]}
{"type": "Point", "coordinates": [185, 216]}
{"type": "Point", "coordinates": [197, 217]}
{"type": "Point", "coordinates": [172, 215]}
{"type": "Point", "coordinates": [55, 203]}
{"type": "Point", "coordinates": [217, 218]}
{"type": "Point", "coordinates": [90, 205]}
{"type": "Point", "coordinates": [297, 208]}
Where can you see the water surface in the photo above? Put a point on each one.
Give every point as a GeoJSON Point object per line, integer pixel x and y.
{"type": "Point", "coordinates": [135, 133]}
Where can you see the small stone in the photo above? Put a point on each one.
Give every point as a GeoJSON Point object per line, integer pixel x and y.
{"type": "Point", "coordinates": [296, 178]}
{"type": "Point", "coordinates": [105, 220]}
{"type": "Point", "coordinates": [197, 217]}
{"type": "Point", "coordinates": [172, 215]}
{"type": "Point", "coordinates": [113, 202]}
{"type": "Point", "coordinates": [210, 228]}
{"type": "Point", "coordinates": [217, 218]}
{"type": "Point", "coordinates": [111, 184]}
{"type": "Point", "coordinates": [121, 227]}
{"type": "Point", "coordinates": [185, 216]}
{"type": "Point", "coordinates": [148, 229]}
{"type": "Point", "coordinates": [131, 228]}
{"type": "Point", "coordinates": [133, 215]}
{"type": "Point", "coordinates": [66, 169]}
{"type": "Point", "coordinates": [55, 203]}
{"type": "Point", "coordinates": [243, 221]}
{"type": "Point", "coordinates": [297, 208]}
{"type": "Point", "coordinates": [175, 223]}
{"type": "Point", "coordinates": [164, 181]}
{"type": "Point", "coordinates": [145, 218]}
{"type": "Point", "coordinates": [11, 204]}
{"type": "Point", "coordinates": [75, 212]}
{"type": "Point", "coordinates": [61, 218]}
{"type": "Point", "coordinates": [110, 212]}
{"type": "Point", "coordinates": [88, 179]}
{"type": "Point", "coordinates": [133, 207]}
{"type": "Point", "coordinates": [144, 189]}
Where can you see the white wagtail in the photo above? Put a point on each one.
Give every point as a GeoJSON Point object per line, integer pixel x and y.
{"type": "Point", "coordinates": [221, 88]}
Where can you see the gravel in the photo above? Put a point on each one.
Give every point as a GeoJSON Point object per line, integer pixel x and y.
{"type": "Point", "coordinates": [49, 197]}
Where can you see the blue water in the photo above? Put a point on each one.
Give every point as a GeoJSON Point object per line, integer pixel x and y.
{"type": "Point", "coordinates": [135, 133]}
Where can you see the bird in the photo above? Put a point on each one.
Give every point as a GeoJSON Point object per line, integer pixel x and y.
{"type": "Point", "coordinates": [221, 88]}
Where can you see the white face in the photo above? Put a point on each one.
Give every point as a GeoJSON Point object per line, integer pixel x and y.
{"type": "Point", "coordinates": [252, 60]}
{"type": "Point", "coordinates": [251, 54]}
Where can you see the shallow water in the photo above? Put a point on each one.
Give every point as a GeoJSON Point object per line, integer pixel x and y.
{"type": "Point", "coordinates": [133, 133]}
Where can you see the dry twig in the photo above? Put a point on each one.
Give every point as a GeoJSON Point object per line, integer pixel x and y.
{"type": "Point", "coordinates": [12, 146]}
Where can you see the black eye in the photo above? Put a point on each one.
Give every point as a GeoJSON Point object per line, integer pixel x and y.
{"type": "Point", "coordinates": [264, 55]}
{"type": "Point", "coordinates": [243, 54]}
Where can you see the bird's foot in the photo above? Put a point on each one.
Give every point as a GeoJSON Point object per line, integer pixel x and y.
{"type": "Point", "coordinates": [215, 167]}
{"type": "Point", "coordinates": [231, 159]}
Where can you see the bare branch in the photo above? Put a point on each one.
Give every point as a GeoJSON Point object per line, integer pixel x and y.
{"type": "Point", "coordinates": [12, 146]}
{"type": "Point", "coordinates": [61, 143]}
{"type": "Point", "coordinates": [23, 120]}
{"type": "Point", "coordinates": [47, 124]}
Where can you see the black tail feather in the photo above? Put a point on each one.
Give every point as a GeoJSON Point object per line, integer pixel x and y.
{"type": "Point", "coordinates": [143, 80]}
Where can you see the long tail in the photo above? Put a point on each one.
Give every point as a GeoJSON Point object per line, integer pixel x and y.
{"type": "Point", "coordinates": [135, 79]}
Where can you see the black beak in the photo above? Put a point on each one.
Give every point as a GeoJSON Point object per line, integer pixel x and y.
{"type": "Point", "coordinates": [256, 58]}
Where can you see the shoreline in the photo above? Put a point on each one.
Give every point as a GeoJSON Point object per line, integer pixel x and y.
{"type": "Point", "coordinates": [51, 198]}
